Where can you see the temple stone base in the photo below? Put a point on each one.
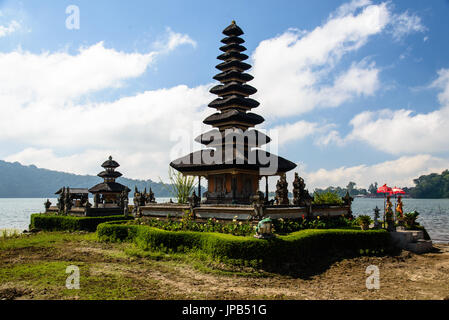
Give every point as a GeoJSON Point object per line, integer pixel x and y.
{"type": "Point", "coordinates": [104, 212]}
{"type": "Point", "coordinates": [240, 212]}
{"type": "Point", "coordinates": [411, 240]}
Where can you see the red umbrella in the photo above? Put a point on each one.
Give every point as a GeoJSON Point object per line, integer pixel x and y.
{"type": "Point", "coordinates": [397, 191]}
{"type": "Point", "coordinates": [384, 189]}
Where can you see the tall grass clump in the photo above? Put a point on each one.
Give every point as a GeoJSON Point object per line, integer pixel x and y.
{"type": "Point", "coordinates": [181, 187]}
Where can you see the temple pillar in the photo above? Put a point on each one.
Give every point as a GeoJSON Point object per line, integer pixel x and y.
{"type": "Point", "coordinates": [199, 187]}
{"type": "Point", "coordinates": [233, 186]}
{"type": "Point", "coordinates": [266, 189]}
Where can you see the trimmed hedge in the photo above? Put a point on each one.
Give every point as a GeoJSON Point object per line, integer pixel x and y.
{"type": "Point", "coordinates": [299, 247]}
{"type": "Point", "coordinates": [70, 223]}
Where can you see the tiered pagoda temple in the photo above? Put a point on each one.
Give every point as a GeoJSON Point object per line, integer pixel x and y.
{"type": "Point", "coordinates": [109, 193]}
{"type": "Point", "coordinates": [232, 163]}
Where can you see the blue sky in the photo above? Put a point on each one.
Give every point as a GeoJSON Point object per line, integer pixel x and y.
{"type": "Point", "coordinates": [354, 90]}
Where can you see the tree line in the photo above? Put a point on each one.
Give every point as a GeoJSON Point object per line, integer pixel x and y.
{"type": "Point", "coordinates": [432, 186]}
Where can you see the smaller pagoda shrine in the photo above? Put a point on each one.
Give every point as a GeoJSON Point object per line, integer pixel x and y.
{"type": "Point", "coordinates": [109, 194]}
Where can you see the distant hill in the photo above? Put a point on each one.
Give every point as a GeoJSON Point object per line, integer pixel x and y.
{"type": "Point", "coordinates": [19, 181]}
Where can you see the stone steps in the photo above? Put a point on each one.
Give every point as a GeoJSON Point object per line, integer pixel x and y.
{"type": "Point", "coordinates": [411, 240]}
{"type": "Point", "coordinates": [421, 246]}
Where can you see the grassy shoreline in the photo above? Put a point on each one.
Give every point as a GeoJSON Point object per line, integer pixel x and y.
{"type": "Point", "coordinates": [33, 267]}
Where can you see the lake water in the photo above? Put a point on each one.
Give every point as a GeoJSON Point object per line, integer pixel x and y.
{"type": "Point", "coordinates": [434, 213]}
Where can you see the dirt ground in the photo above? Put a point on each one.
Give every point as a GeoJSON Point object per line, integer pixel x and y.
{"type": "Point", "coordinates": [107, 272]}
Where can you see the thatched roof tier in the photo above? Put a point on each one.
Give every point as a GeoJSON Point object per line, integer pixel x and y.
{"type": "Point", "coordinates": [233, 55]}
{"type": "Point", "coordinates": [234, 101]}
{"type": "Point", "coordinates": [233, 47]}
{"type": "Point", "coordinates": [233, 40]}
{"type": "Point", "coordinates": [74, 191]}
{"type": "Point", "coordinates": [233, 65]}
{"type": "Point", "coordinates": [233, 30]}
{"type": "Point", "coordinates": [110, 164]}
{"type": "Point", "coordinates": [109, 187]}
{"type": "Point", "coordinates": [253, 160]}
{"type": "Point", "coordinates": [250, 138]}
{"type": "Point", "coordinates": [110, 174]}
{"type": "Point", "coordinates": [233, 88]}
{"type": "Point", "coordinates": [234, 116]}
{"type": "Point", "coordinates": [233, 75]}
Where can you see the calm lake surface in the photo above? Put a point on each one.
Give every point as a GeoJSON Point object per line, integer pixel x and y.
{"type": "Point", "coordinates": [434, 213]}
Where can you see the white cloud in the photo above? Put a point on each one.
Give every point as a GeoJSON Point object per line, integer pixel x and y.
{"type": "Point", "coordinates": [351, 7]}
{"type": "Point", "coordinates": [40, 106]}
{"type": "Point", "coordinates": [296, 131]}
{"type": "Point", "coordinates": [10, 28]}
{"type": "Point", "coordinates": [399, 172]}
{"type": "Point", "coordinates": [300, 130]}
{"type": "Point", "coordinates": [404, 24]}
{"type": "Point", "coordinates": [177, 39]}
{"type": "Point", "coordinates": [403, 131]}
{"type": "Point", "coordinates": [442, 82]}
{"type": "Point", "coordinates": [61, 76]}
{"type": "Point", "coordinates": [292, 69]}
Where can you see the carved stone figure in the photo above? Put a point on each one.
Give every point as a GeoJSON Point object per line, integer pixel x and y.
{"type": "Point", "coordinates": [60, 204]}
{"type": "Point", "coordinates": [194, 200]}
{"type": "Point", "coordinates": [67, 201]}
{"type": "Point", "coordinates": [47, 205]}
{"type": "Point", "coordinates": [377, 224]}
{"type": "Point", "coordinates": [347, 199]}
{"type": "Point", "coordinates": [301, 196]}
{"type": "Point", "coordinates": [123, 198]}
{"type": "Point", "coordinates": [282, 191]}
{"type": "Point", "coordinates": [96, 200]}
{"type": "Point", "coordinates": [125, 206]}
{"type": "Point", "coordinates": [259, 205]}
{"type": "Point", "coordinates": [151, 197]}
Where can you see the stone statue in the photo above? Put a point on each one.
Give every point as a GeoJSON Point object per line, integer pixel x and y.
{"type": "Point", "coordinates": [47, 205]}
{"type": "Point", "coordinates": [96, 200]}
{"type": "Point", "coordinates": [194, 200]}
{"type": "Point", "coordinates": [301, 196]}
{"type": "Point", "coordinates": [282, 191]}
{"type": "Point", "coordinates": [123, 198]}
{"type": "Point", "coordinates": [347, 200]}
{"type": "Point", "coordinates": [84, 202]}
{"type": "Point", "coordinates": [67, 201]}
{"type": "Point", "coordinates": [144, 198]}
{"type": "Point", "coordinates": [125, 206]}
{"type": "Point", "coordinates": [259, 205]}
{"type": "Point", "coordinates": [136, 201]}
{"type": "Point", "coordinates": [376, 218]}
{"type": "Point", "coordinates": [151, 197]}
{"type": "Point", "coordinates": [60, 204]}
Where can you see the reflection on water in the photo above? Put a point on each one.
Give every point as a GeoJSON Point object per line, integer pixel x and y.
{"type": "Point", "coordinates": [434, 213]}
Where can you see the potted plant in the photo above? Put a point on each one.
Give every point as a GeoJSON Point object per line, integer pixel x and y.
{"type": "Point", "coordinates": [364, 221]}
{"type": "Point", "coordinates": [410, 219]}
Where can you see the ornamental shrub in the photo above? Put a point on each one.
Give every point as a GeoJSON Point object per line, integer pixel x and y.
{"type": "Point", "coordinates": [298, 247]}
{"type": "Point", "coordinates": [70, 223]}
{"type": "Point", "coordinates": [327, 198]}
